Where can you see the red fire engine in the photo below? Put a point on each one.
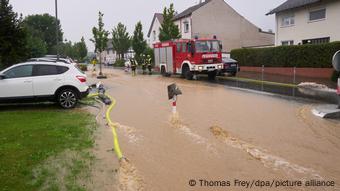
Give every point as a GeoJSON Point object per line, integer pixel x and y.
{"type": "Point", "coordinates": [189, 57]}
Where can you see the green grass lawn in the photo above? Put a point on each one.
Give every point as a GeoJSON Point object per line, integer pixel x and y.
{"type": "Point", "coordinates": [37, 147]}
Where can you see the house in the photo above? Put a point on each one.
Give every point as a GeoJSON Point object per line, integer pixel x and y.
{"type": "Point", "coordinates": [154, 29]}
{"type": "Point", "coordinates": [108, 56]}
{"type": "Point", "coordinates": [216, 18]}
{"type": "Point", "coordinates": [307, 22]}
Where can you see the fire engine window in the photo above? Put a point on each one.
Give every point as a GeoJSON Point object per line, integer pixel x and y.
{"type": "Point", "coordinates": [178, 47]}
{"type": "Point", "coordinates": [207, 46]}
{"type": "Point", "coordinates": [184, 47]}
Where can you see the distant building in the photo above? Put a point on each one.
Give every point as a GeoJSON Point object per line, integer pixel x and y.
{"type": "Point", "coordinates": [217, 18]}
{"type": "Point", "coordinates": [153, 34]}
{"type": "Point", "coordinates": [307, 22]}
{"type": "Point", "coordinates": [109, 56]}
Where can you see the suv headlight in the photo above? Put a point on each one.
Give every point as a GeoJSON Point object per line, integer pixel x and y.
{"type": "Point", "coordinates": [200, 68]}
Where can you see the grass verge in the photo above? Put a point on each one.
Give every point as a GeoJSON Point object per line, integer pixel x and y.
{"type": "Point", "coordinates": [45, 149]}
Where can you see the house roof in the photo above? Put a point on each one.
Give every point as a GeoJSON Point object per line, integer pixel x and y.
{"type": "Point", "coordinates": [291, 4]}
{"type": "Point", "coordinates": [190, 10]}
{"type": "Point", "coordinates": [160, 18]}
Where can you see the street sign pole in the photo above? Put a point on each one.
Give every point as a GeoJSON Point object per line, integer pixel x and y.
{"type": "Point", "coordinates": [56, 27]}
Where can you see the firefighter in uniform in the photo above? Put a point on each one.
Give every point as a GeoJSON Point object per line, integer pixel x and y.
{"type": "Point", "coordinates": [148, 62]}
{"type": "Point", "coordinates": [142, 56]}
{"type": "Point", "coordinates": [133, 66]}
{"type": "Point", "coordinates": [94, 63]}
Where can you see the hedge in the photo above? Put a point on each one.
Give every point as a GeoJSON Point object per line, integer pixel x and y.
{"type": "Point", "coordinates": [309, 56]}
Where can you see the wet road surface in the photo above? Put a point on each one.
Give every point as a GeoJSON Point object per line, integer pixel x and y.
{"type": "Point", "coordinates": [220, 134]}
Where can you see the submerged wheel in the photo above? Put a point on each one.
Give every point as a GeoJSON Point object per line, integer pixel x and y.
{"type": "Point", "coordinates": [212, 75]}
{"type": "Point", "coordinates": [67, 99]}
{"type": "Point", "coordinates": [163, 73]}
{"type": "Point", "coordinates": [187, 73]}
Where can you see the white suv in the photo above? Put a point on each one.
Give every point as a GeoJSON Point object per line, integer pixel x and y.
{"type": "Point", "coordinates": [43, 81]}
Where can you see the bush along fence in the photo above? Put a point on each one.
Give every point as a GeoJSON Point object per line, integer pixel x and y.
{"type": "Point", "coordinates": [310, 57]}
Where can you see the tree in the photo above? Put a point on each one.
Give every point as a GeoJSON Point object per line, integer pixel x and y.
{"type": "Point", "coordinates": [80, 50]}
{"type": "Point", "coordinates": [44, 27]}
{"type": "Point", "coordinates": [36, 47]}
{"type": "Point", "coordinates": [169, 30]}
{"type": "Point", "coordinates": [138, 42]}
{"type": "Point", "coordinates": [100, 38]}
{"type": "Point", "coordinates": [13, 42]}
{"type": "Point", "coordinates": [120, 40]}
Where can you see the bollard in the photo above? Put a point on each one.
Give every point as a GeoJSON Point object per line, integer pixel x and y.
{"type": "Point", "coordinates": [174, 105]}
{"type": "Point", "coordinates": [173, 91]}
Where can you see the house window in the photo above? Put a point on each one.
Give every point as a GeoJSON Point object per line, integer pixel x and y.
{"type": "Point", "coordinates": [154, 35]}
{"type": "Point", "coordinates": [186, 27]}
{"type": "Point", "coordinates": [287, 42]}
{"type": "Point", "coordinates": [316, 40]}
{"type": "Point", "coordinates": [317, 15]}
{"type": "Point", "coordinates": [288, 20]}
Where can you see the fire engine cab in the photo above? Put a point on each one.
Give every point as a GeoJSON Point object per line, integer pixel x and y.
{"type": "Point", "coordinates": [189, 57]}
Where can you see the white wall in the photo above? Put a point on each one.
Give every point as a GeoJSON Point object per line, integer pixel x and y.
{"type": "Point", "coordinates": [180, 24]}
{"type": "Point", "coordinates": [304, 29]}
{"type": "Point", "coordinates": [156, 26]}
{"type": "Point", "coordinates": [108, 58]}
{"type": "Point", "coordinates": [235, 31]}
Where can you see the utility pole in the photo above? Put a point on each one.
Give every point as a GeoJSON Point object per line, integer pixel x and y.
{"type": "Point", "coordinates": [56, 27]}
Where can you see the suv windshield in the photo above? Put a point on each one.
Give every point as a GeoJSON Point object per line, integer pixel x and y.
{"type": "Point", "coordinates": [207, 46]}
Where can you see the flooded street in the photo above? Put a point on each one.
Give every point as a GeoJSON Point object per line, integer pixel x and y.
{"type": "Point", "coordinates": [219, 134]}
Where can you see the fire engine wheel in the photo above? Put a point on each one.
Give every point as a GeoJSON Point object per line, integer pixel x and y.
{"type": "Point", "coordinates": [187, 73]}
{"type": "Point", "coordinates": [212, 75]}
{"type": "Point", "coordinates": [163, 71]}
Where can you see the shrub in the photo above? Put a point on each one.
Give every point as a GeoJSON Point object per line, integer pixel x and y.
{"type": "Point", "coordinates": [82, 67]}
{"type": "Point", "coordinates": [309, 56]}
{"type": "Point", "coordinates": [120, 63]}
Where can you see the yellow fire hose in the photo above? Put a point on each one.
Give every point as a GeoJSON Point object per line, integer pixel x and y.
{"type": "Point", "coordinates": [111, 125]}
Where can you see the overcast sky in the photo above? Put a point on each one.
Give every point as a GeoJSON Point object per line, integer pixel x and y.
{"type": "Point", "coordinates": [79, 16]}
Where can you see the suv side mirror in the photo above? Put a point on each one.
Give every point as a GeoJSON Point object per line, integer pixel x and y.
{"type": "Point", "coordinates": [2, 76]}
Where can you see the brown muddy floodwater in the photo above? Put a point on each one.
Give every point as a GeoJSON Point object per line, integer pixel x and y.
{"type": "Point", "coordinates": [220, 136]}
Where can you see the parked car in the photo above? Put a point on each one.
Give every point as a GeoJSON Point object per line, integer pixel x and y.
{"type": "Point", "coordinates": [43, 81]}
{"type": "Point", "coordinates": [230, 66]}
{"type": "Point", "coordinates": [50, 58]}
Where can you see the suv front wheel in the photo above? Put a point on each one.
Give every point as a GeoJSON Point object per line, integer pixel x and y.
{"type": "Point", "coordinates": [67, 98]}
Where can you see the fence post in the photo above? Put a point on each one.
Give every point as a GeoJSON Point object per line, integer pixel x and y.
{"type": "Point", "coordinates": [262, 78]}
{"type": "Point", "coordinates": [294, 80]}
